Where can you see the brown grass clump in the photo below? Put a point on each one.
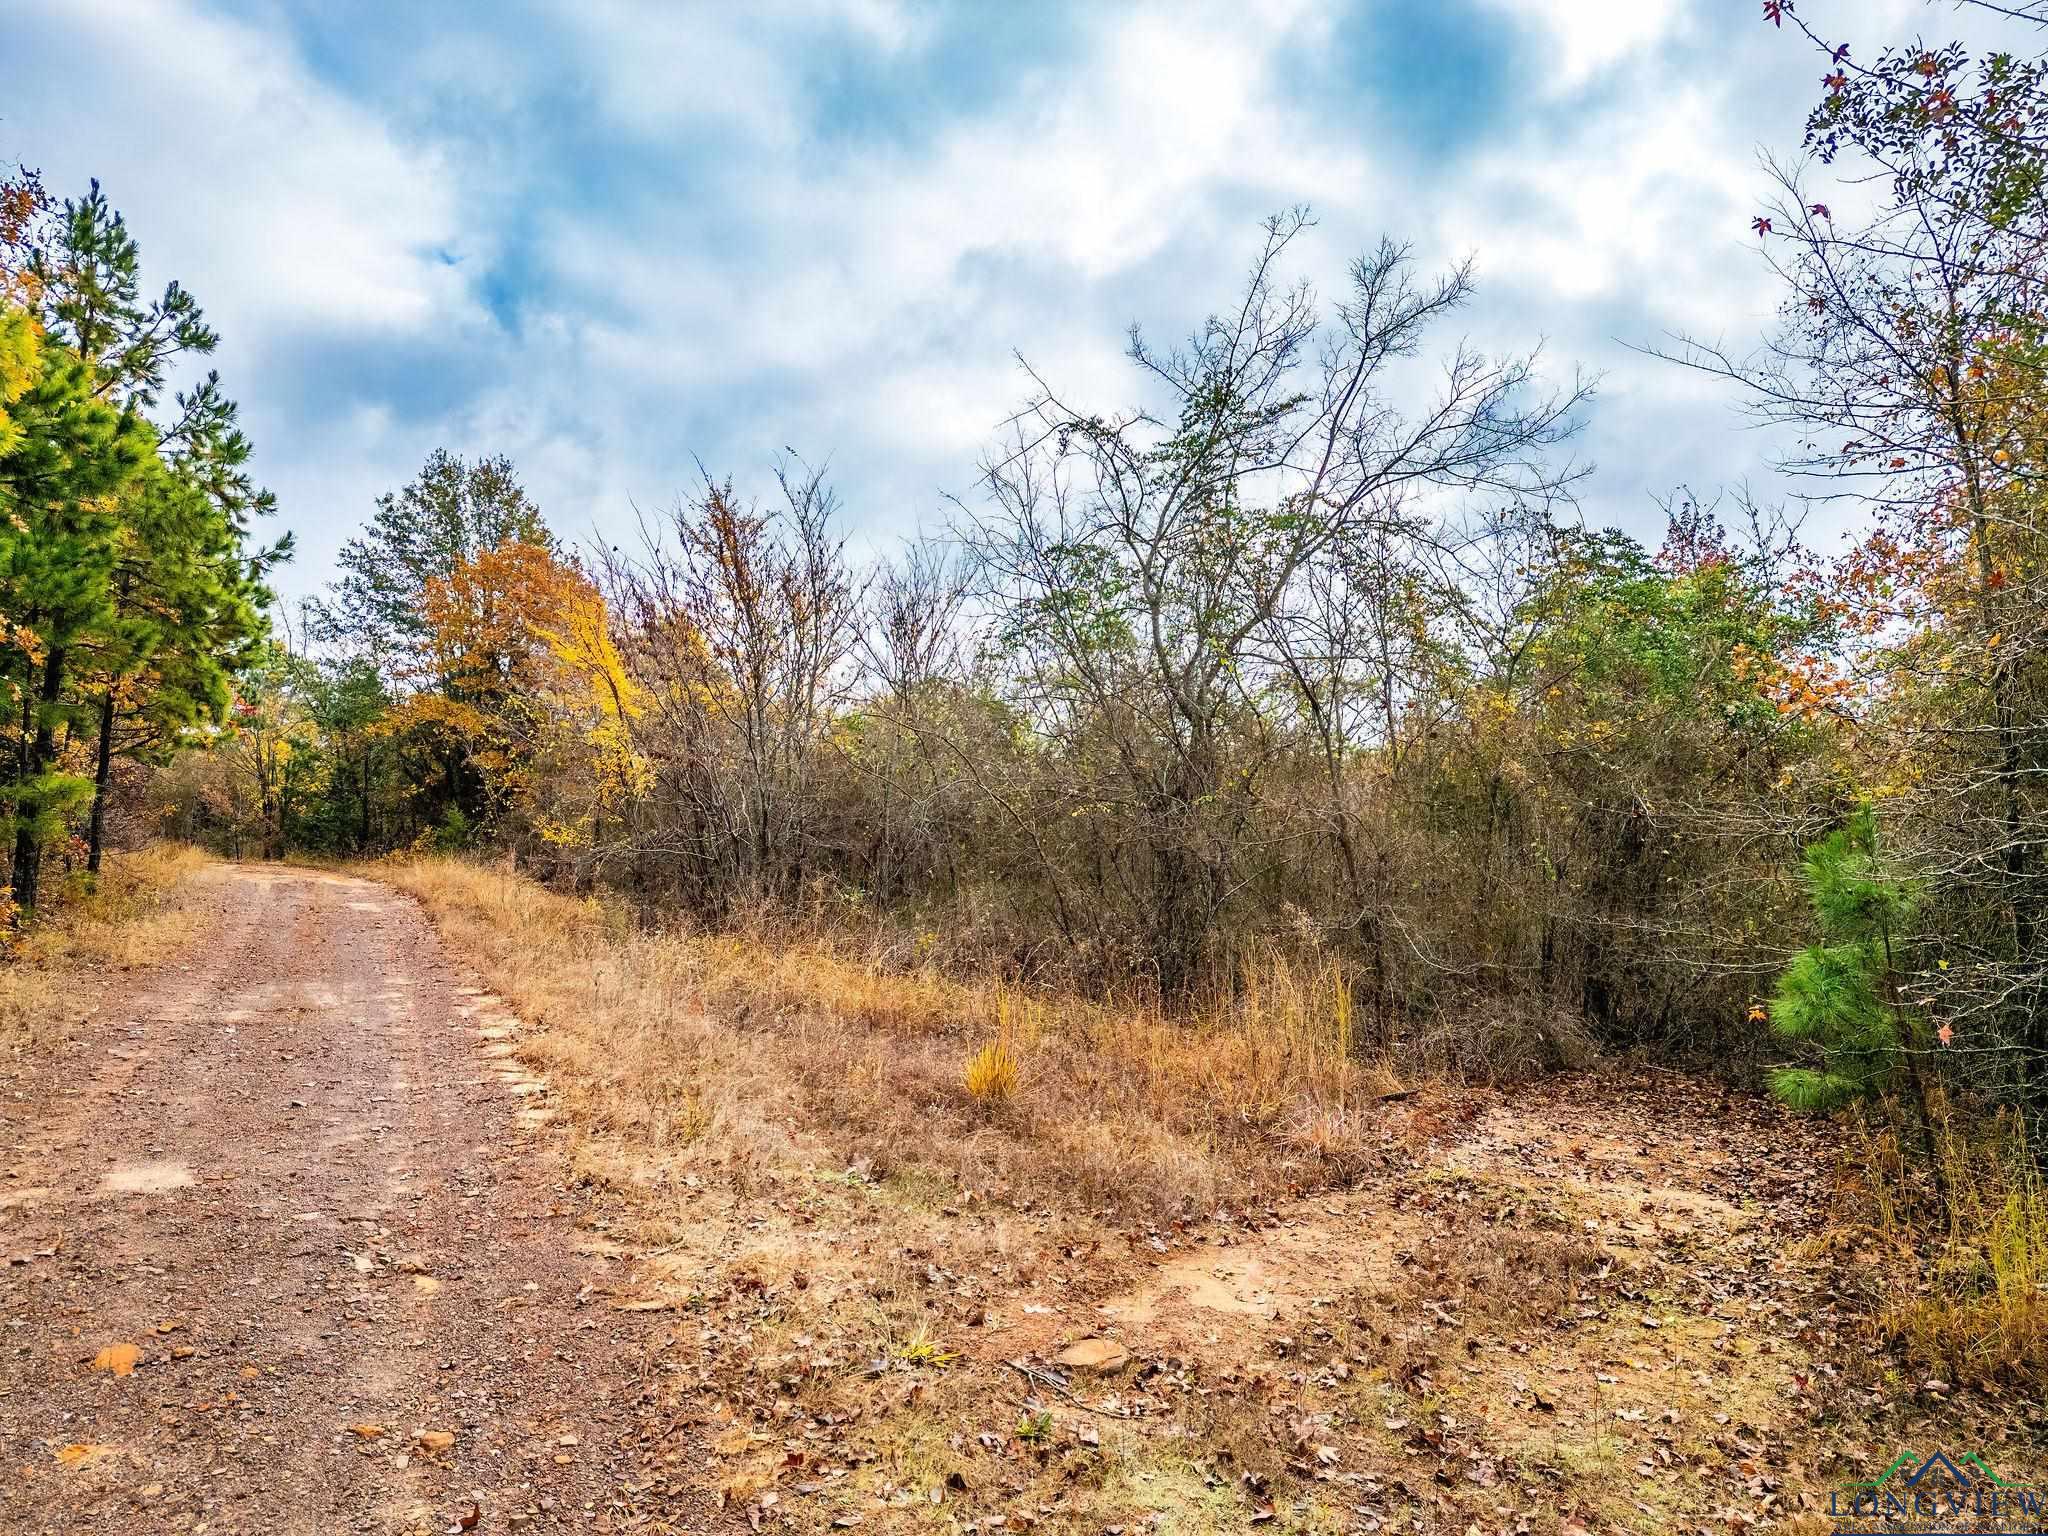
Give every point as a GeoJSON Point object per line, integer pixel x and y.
{"type": "Point", "coordinates": [133, 916]}
{"type": "Point", "coordinates": [762, 1044]}
{"type": "Point", "coordinates": [1968, 1299]}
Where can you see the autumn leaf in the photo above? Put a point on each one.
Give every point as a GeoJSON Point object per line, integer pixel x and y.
{"type": "Point", "coordinates": [81, 1452]}
{"type": "Point", "coordinates": [121, 1359]}
{"type": "Point", "coordinates": [1761, 225]}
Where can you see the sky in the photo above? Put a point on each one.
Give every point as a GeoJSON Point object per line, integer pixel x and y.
{"type": "Point", "coordinates": [613, 239]}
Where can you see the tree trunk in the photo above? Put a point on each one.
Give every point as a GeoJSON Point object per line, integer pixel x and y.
{"type": "Point", "coordinates": [28, 850]}
{"type": "Point", "coordinates": [363, 836]}
{"type": "Point", "coordinates": [103, 774]}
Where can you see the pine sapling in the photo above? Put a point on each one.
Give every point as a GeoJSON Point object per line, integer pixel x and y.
{"type": "Point", "coordinates": [1841, 996]}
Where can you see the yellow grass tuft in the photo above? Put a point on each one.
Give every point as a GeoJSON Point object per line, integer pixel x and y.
{"type": "Point", "coordinates": [992, 1073]}
{"type": "Point", "coordinates": [1970, 1301]}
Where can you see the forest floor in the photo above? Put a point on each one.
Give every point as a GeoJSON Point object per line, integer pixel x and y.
{"type": "Point", "coordinates": [311, 1231]}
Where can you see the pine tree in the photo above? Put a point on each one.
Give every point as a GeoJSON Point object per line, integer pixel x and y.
{"type": "Point", "coordinates": [1840, 995]}
{"type": "Point", "coordinates": [61, 488]}
{"type": "Point", "coordinates": [187, 595]}
{"type": "Point", "coordinates": [89, 274]}
{"type": "Point", "coordinates": [186, 614]}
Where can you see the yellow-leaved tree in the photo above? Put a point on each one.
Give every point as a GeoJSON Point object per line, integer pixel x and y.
{"type": "Point", "coordinates": [521, 677]}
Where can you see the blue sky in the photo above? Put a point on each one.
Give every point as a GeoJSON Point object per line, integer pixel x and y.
{"type": "Point", "coordinates": [610, 238]}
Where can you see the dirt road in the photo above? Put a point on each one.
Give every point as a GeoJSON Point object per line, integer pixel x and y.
{"type": "Point", "coordinates": [294, 1178]}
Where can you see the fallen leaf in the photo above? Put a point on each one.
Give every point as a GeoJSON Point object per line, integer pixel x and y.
{"type": "Point", "coordinates": [435, 1440]}
{"type": "Point", "coordinates": [83, 1451]}
{"type": "Point", "coordinates": [367, 1431]}
{"type": "Point", "coordinates": [121, 1359]}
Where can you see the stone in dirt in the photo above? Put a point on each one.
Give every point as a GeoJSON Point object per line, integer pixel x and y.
{"type": "Point", "coordinates": [147, 1179]}
{"type": "Point", "coordinates": [1094, 1355]}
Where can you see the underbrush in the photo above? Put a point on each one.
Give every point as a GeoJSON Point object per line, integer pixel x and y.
{"type": "Point", "coordinates": [1961, 1285]}
{"type": "Point", "coordinates": [888, 1064]}
{"type": "Point", "coordinates": [130, 916]}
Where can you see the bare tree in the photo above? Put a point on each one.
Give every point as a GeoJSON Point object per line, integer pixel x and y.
{"type": "Point", "coordinates": [741, 622]}
{"type": "Point", "coordinates": [1137, 557]}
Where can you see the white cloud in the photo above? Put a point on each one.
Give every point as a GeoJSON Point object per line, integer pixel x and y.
{"type": "Point", "coordinates": [1584, 37]}
{"type": "Point", "coordinates": [707, 270]}
{"type": "Point", "coordinates": [299, 206]}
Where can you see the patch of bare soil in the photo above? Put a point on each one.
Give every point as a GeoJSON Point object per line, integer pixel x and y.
{"type": "Point", "coordinates": [284, 1254]}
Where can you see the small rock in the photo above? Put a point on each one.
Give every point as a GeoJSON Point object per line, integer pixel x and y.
{"type": "Point", "coordinates": [1094, 1355]}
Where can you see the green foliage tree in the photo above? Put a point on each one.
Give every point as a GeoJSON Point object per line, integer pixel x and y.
{"type": "Point", "coordinates": [162, 593]}
{"type": "Point", "coordinates": [185, 615]}
{"type": "Point", "coordinates": [350, 704]}
{"type": "Point", "coordinates": [1840, 996]}
{"type": "Point", "coordinates": [450, 512]}
{"type": "Point", "coordinates": [187, 595]}
{"type": "Point", "coordinates": [88, 275]}
{"type": "Point", "coordinates": [1620, 751]}
{"type": "Point", "coordinates": [61, 489]}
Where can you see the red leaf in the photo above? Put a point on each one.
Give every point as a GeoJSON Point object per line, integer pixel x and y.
{"type": "Point", "coordinates": [1761, 225]}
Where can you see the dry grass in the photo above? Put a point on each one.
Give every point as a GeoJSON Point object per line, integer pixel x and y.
{"type": "Point", "coordinates": [134, 916]}
{"type": "Point", "coordinates": [991, 1076]}
{"type": "Point", "coordinates": [1451, 1344]}
{"type": "Point", "coordinates": [1970, 1301]}
{"type": "Point", "coordinates": [762, 1045]}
